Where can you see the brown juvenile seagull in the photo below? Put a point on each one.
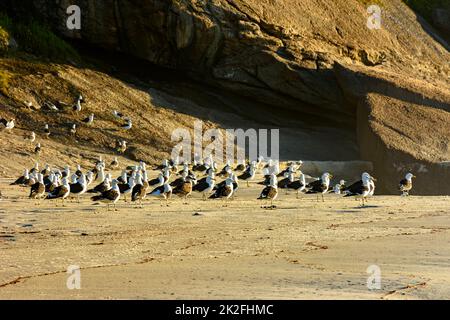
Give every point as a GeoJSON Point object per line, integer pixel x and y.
{"type": "Point", "coordinates": [139, 191]}
{"type": "Point", "coordinates": [184, 189]}
{"type": "Point", "coordinates": [270, 192]}
{"type": "Point", "coordinates": [406, 184]}
{"type": "Point", "coordinates": [37, 191]}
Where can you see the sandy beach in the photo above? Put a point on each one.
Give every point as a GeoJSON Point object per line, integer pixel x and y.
{"type": "Point", "coordinates": [303, 249]}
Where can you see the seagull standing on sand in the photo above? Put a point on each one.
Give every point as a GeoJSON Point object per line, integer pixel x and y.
{"type": "Point", "coordinates": [339, 188]}
{"type": "Point", "coordinates": [60, 192]}
{"type": "Point", "coordinates": [77, 106]}
{"type": "Point", "coordinates": [126, 188]}
{"type": "Point", "coordinates": [37, 191]}
{"type": "Point", "coordinates": [128, 125]}
{"type": "Point", "coordinates": [225, 191]}
{"type": "Point", "coordinates": [6, 125]}
{"type": "Point", "coordinates": [24, 181]}
{"type": "Point", "coordinates": [139, 191]}
{"type": "Point", "coordinates": [37, 149]}
{"type": "Point", "coordinates": [79, 188]}
{"type": "Point", "coordinates": [114, 164]}
{"type": "Point", "coordinates": [360, 189]}
{"type": "Point", "coordinates": [206, 187]}
{"type": "Point", "coordinates": [46, 131]}
{"type": "Point", "coordinates": [121, 146]}
{"type": "Point", "coordinates": [89, 120]}
{"type": "Point", "coordinates": [110, 196]}
{"type": "Point", "coordinates": [73, 129]}
{"type": "Point", "coordinates": [164, 192]}
{"type": "Point", "coordinates": [118, 115]}
{"type": "Point", "coordinates": [271, 191]}
{"type": "Point", "coordinates": [31, 137]}
{"type": "Point", "coordinates": [406, 184]}
{"type": "Point", "coordinates": [249, 174]}
{"type": "Point", "coordinates": [320, 186]}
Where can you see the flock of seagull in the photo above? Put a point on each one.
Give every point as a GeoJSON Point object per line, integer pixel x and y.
{"type": "Point", "coordinates": [134, 182]}
{"type": "Point", "coordinates": [56, 184]}
{"type": "Point", "coordinates": [121, 145]}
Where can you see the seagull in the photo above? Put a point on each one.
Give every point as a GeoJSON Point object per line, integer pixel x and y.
{"type": "Point", "coordinates": [249, 174]}
{"type": "Point", "coordinates": [360, 189]}
{"type": "Point", "coordinates": [292, 184]}
{"type": "Point", "coordinates": [164, 192]}
{"type": "Point", "coordinates": [114, 164]}
{"type": "Point", "coordinates": [139, 191]}
{"type": "Point", "coordinates": [118, 115]}
{"type": "Point", "coordinates": [89, 178]}
{"type": "Point", "coordinates": [35, 169]}
{"type": "Point", "coordinates": [240, 166]}
{"type": "Point", "coordinates": [225, 191]}
{"type": "Point", "coordinates": [79, 188]}
{"type": "Point", "coordinates": [185, 189]}
{"type": "Point", "coordinates": [52, 183]}
{"type": "Point", "coordinates": [24, 181]}
{"type": "Point", "coordinates": [73, 129]}
{"type": "Point", "coordinates": [320, 186]}
{"type": "Point", "coordinates": [31, 137]}
{"type": "Point", "coordinates": [121, 146]}
{"type": "Point", "coordinates": [226, 170]}
{"type": "Point", "coordinates": [37, 149]}
{"type": "Point", "coordinates": [110, 196]}
{"type": "Point", "coordinates": [123, 177]}
{"type": "Point", "coordinates": [89, 120]}
{"type": "Point", "coordinates": [205, 187]}
{"type": "Point", "coordinates": [78, 172]}
{"type": "Point", "coordinates": [406, 184]}
{"type": "Point", "coordinates": [6, 125]}
{"type": "Point", "coordinates": [60, 192]}
{"type": "Point", "coordinates": [340, 187]}
{"type": "Point", "coordinates": [77, 106]}
{"type": "Point", "coordinates": [46, 170]}
{"type": "Point", "coordinates": [157, 182]}
{"type": "Point", "coordinates": [37, 191]}
{"type": "Point", "coordinates": [46, 131]}
{"type": "Point", "coordinates": [103, 186]}
{"type": "Point", "coordinates": [271, 191]}
{"type": "Point", "coordinates": [51, 106]}
{"type": "Point", "coordinates": [28, 104]}
{"type": "Point", "coordinates": [127, 187]}
{"type": "Point", "coordinates": [128, 125]}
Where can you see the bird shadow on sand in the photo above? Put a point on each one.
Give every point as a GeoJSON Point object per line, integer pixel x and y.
{"type": "Point", "coordinates": [356, 209]}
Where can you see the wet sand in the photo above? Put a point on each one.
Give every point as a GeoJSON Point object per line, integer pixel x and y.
{"type": "Point", "coordinates": [303, 249]}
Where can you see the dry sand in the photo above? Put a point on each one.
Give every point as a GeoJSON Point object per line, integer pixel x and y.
{"type": "Point", "coordinates": [302, 250]}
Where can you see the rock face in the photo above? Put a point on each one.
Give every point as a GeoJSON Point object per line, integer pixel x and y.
{"type": "Point", "coordinates": [293, 55]}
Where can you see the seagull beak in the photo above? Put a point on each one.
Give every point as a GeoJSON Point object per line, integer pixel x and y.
{"type": "Point", "coordinates": [374, 179]}
{"type": "Point", "coordinates": [414, 176]}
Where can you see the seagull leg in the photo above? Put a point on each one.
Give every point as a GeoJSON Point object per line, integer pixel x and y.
{"type": "Point", "coordinates": [248, 184]}
{"type": "Point", "coordinates": [323, 200]}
